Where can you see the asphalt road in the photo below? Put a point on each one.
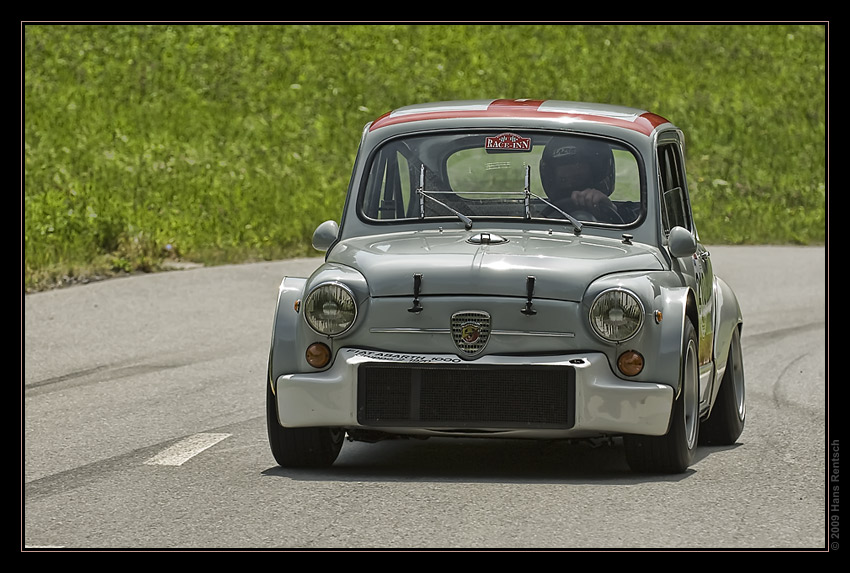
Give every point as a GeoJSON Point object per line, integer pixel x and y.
{"type": "Point", "coordinates": [143, 427]}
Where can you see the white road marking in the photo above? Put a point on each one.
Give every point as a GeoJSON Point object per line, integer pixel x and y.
{"type": "Point", "coordinates": [186, 449]}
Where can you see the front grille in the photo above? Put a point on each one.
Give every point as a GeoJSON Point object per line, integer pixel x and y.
{"type": "Point", "coordinates": [465, 396]}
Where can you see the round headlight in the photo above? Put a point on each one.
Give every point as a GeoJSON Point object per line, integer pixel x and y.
{"type": "Point", "coordinates": [616, 315]}
{"type": "Point", "coordinates": [330, 309]}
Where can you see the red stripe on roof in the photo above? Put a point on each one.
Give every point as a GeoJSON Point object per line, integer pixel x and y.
{"type": "Point", "coordinates": [514, 103]}
{"type": "Point", "coordinates": [653, 119]}
{"type": "Point", "coordinates": [645, 124]}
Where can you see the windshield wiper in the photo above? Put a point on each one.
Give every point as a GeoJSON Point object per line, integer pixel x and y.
{"type": "Point", "coordinates": [467, 222]}
{"type": "Point", "coordinates": [528, 195]}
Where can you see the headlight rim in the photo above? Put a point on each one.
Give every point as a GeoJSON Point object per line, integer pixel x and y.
{"type": "Point", "coordinates": [305, 307]}
{"type": "Point", "coordinates": [641, 314]}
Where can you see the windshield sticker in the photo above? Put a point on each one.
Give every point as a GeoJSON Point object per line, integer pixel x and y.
{"type": "Point", "coordinates": [507, 142]}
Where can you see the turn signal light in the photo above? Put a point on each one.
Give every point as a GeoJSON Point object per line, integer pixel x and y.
{"type": "Point", "coordinates": [318, 355]}
{"type": "Point", "coordinates": [630, 363]}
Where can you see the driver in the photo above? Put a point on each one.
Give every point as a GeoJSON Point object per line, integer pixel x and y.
{"type": "Point", "coordinates": [578, 175]}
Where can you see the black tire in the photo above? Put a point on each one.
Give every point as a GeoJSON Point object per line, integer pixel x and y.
{"type": "Point", "coordinates": [674, 451]}
{"type": "Point", "coordinates": [726, 422]}
{"type": "Point", "coordinates": [301, 447]}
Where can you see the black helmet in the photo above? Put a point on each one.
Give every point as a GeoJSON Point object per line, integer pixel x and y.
{"type": "Point", "coordinates": [570, 150]}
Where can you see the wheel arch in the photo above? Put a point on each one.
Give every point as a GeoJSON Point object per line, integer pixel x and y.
{"type": "Point", "coordinates": [282, 358]}
{"type": "Point", "coordinates": [678, 306]}
{"type": "Point", "coordinates": [728, 318]}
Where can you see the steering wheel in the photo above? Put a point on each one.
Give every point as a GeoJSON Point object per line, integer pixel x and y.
{"type": "Point", "coordinates": [606, 213]}
{"type": "Point", "coordinates": [610, 214]}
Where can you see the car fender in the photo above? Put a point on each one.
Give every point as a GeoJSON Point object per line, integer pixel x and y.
{"type": "Point", "coordinates": [674, 304]}
{"type": "Point", "coordinates": [282, 358]}
{"type": "Point", "coordinates": [667, 304]}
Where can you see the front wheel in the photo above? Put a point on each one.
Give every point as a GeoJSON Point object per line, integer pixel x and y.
{"type": "Point", "coordinates": [674, 451]}
{"type": "Point", "coordinates": [300, 447]}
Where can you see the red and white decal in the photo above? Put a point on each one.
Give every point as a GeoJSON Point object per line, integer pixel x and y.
{"type": "Point", "coordinates": [645, 123]}
{"type": "Point", "coordinates": [508, 142]}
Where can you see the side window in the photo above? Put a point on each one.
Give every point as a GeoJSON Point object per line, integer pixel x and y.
{"type": "Point", "coordinates": [675, 210]}
{"type": "Point", "coordinates": [388, 195]}
{"type": "Point", "coordinates": [404, 185]}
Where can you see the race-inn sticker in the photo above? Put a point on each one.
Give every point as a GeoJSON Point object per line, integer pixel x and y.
{"type": "Point", "coordinates": [507, 142]}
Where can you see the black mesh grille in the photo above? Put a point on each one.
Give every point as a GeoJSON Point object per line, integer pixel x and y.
{"type": "Point", "coordinates": [465, 396]}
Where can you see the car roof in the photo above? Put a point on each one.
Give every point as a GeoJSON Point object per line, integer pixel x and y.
{"type": "Point", "coordinates": [555, 111]}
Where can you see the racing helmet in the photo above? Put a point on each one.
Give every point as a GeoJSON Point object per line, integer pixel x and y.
{"type": "Point", "coordinates": [569, 151]}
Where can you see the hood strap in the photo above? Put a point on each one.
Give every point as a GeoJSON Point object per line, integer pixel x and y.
{"type": "Point", "coordinates": [529, 289]}
{"type": "Point", "coordinates": [417, 287]}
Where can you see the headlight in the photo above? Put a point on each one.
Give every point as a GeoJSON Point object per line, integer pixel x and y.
{"type": "Point", "coordinates": [330, 309]}
{"type": "Point", "coordinates": [616, 315]}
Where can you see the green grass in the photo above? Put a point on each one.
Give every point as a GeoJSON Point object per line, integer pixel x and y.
{"type": "Point", "coordinates": [228, 143]}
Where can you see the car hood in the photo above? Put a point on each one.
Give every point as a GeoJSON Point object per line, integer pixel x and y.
{"type": "Point", "coordinates": [450, 264]}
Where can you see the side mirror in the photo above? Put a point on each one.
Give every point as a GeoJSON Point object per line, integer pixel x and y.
{"type": "Point", "coordinates": [325, 235]}
{"type": "Point", "coordinates": [681, 242]}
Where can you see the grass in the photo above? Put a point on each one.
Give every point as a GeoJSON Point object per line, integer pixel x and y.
{"type": "Point", "coordinates": [228, 143]}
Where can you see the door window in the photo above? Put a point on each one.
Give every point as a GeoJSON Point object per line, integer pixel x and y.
{"type": "Point", "coordinates": [675, 210]}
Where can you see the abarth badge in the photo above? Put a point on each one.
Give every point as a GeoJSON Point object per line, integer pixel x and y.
{"type": "Point", "coordinates": [470, 331]}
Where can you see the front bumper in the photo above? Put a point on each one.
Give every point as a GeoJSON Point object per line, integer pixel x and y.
{"type": "Point", "coordinates": [596, 401]}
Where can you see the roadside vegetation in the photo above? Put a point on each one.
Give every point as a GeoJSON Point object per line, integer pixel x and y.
{"type": "Point", "coordinates": [147, 144]}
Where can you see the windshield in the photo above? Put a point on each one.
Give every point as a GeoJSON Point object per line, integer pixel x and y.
{"type": "Point", "coordinates": [511, 174]}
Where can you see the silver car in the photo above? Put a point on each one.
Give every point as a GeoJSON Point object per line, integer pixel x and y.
{"type": "Point", "coordinates": [510, 269]}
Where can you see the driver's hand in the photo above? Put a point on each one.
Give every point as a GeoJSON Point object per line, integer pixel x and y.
{"type": "Point", "coordinates": [590, 199]}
